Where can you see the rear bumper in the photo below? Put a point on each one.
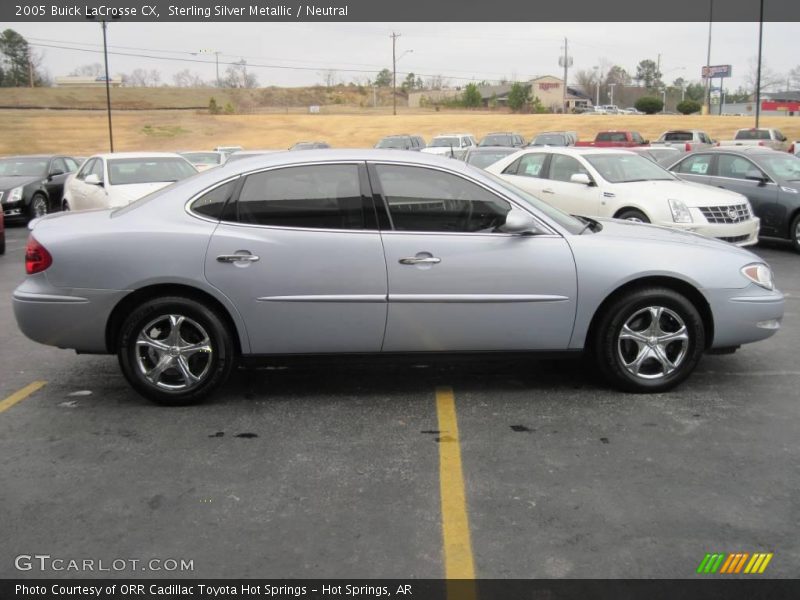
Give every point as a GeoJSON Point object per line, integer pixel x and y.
{"type": "Point", "coordinates": [74, 318]}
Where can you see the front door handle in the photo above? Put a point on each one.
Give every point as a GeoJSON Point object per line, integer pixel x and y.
{"type": "Point", "coordinates": [547, 191]}
{"type": "Point", "coordinates": [422, 260]}
{"type": "Point", "coordinates": [234, 258]}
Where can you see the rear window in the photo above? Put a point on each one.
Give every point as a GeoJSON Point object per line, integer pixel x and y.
{"type": "Point", "coordinates": [678, 136]}
{"type": "Point", "coordinates": [611, 136]}
{"type": "Point", "coordinates": [752, 134]}
{"type": "Point", "coordinates": [126, 171]}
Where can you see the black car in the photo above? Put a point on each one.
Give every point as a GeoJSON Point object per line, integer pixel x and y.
{"type": "Point", "coordinates": [503, 138]}
{"type": "Point", "coordinates": [401, 142]}
{"type": "Point", "coordinates": [770, 179]}
{"type": "Point", "coordinates": [310, 146]}
{"type": "Point", "coordinates": [484, 156]}
{"type": "Point", "coordinates": [32, 186]}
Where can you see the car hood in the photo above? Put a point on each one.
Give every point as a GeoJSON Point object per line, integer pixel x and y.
{"type": "Point", "coordinates": [122, 195]}
{"type": "Point", "coordinates": [655, 233]}
{"type": "Point", "coordinates": [441, 150]}
{"type": "Point", "coordinates": [9, 183]}
{"type": "Point", "coordinates": [690, 193]}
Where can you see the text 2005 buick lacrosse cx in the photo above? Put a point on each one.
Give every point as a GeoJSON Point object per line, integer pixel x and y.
{"type": "Point", "coordinates": [377, 252]}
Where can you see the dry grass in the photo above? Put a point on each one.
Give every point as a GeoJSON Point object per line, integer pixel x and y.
{"type": "Point", "coordinates": [85, 132]}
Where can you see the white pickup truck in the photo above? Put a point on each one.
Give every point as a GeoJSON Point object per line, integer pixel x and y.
{"type": "Point", "coordinates": [684, 140]}
{"type": "Point", "coordinates": [769, 138]}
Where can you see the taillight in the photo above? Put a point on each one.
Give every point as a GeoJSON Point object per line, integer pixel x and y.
{"type": "Point", "coordinates": [791, 149]}
{"type": "Point", "coordinates": [719, 144]}
{"type": "Point", "coordinates": [760, 143]}
{"type": "Point", "coordinates": [37, 258]}
{"type": "Point", "coordinates": [688, 147]}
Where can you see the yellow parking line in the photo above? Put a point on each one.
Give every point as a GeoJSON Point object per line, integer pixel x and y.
{"type": "Point", "coordinates": [458, 559]}
{"type": "Point", "coordinates": [20, 395]}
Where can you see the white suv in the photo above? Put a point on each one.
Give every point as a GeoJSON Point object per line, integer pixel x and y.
{"type": "Point", "coordinates": [451, 144]}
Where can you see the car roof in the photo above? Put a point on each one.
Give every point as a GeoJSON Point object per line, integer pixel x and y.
{"type": "Point", "coordinates": [109, 155]}
{"type": "Point", "coordinates": [576, 150]}
{"type": "Point", "coordinates": [487, 149]}
{"type": "Point", "coordinates": [741, 150]}
{"type": "Point", "coordinates": [36, 156]}
{"type": "Point", "coordinates": [452, 134]}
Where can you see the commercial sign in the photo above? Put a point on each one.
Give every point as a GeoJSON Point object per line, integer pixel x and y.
{"type": "Point", "coordinates": [717, 71]}
{"type": "Point", "coordinates": [776, 105]}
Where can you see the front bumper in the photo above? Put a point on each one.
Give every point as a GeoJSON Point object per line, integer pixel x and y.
{"type": "Point", "coordinates": [742, 316]}
{"type": "Point", "coordinates": [743, 233]}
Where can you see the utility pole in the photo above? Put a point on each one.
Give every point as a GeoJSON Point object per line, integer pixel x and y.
{"type": "Point", "coordinates": [566, 67]}
{"type": "Point", "coordinates": [394, 37]}
{"type": "Point", "coordinates": [108, 89]}
{"type": "Point", "coordinates": [758, 73]}
{"type": "Point", "coordinates": [707, 107]}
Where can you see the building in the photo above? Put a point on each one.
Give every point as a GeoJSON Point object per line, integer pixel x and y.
{"type": "Point", "coordinates": [549, 90]}
{"type": "Point", "coordinates": [100, 81]}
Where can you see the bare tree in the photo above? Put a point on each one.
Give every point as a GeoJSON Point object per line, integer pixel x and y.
{"type": "Point", "coordinates": [793, 80]}
{"type": "Point", "coordinates": [142, 78]}
{"type": "Point", "coordinates": [236, 76]}
{"type": "Point", "coordinates": [92, 70]}
{"type": "Point", "coordinates": [770, 80]}
{"type": "Point", "coordinates": [188, 79]}
{"type": "Point", "coordinates": [329, 77]}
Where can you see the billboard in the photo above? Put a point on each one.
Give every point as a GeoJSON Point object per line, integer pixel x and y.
{"type": "Point", "coordinates": [717, 71]}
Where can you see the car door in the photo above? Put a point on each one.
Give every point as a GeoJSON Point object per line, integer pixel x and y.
{"type": "Point", "coordinates": [96, 195]}
{"type": "Point", "coordinates": [457, 285]}
{"type": "Point", "coordinates": [57, 174]}
{"type": "Point", "coordinates": [695, 167]}
{"type": "Point", "coordinates": [75, 194]}
{"type": "Point", "coordinates": [572, 197]}
{"type": "Point", "coordinates": [731, 173]}
{"type": "Point", "coordinates": [300, 256]}
{"type": "Point", "coordinates": [528, 172]}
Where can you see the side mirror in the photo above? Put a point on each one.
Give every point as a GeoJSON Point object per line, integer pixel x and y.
{"type": "Point", "coordinates": [519, 222]}
{"type": "Point", "coordinates": [581, 178]}
{"type": "Point", "coordinates": [756, 175]}
{"type": "Point", "coordinates": [55, 173]}
{"type": "Point", "coordinates": [93, 179]}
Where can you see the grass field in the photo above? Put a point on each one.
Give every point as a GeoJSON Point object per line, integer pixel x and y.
{"type": "Point", "coordinates": [86, 132]}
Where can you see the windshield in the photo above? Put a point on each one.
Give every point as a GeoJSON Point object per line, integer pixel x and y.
{"type": "Point", "coordinates": [625, 168]}
{"type": "Point", "coordinates": [484, 159]}
{"type": "Point", "coordinates": [549, 140]}
{"type": "Point", "coordinates": [444, 142]}
{"type": "Point", "coordinates": [496, 140]}
{"type": "Point", "coordinates": [782, 166]}
{"type": "Point", "coordinates": [203, 158]}
{"type": "Point", "coordinates": [394, 142]}
{"type": "Point", "coordinates": [568, 222]}
{"type": "Point", "coordinates": [125, 171]}
{"type": "Point", "coordinates": [23, 167]}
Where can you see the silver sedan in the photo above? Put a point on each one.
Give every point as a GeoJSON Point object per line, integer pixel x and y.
{"type": "Point", "coordinates": [374, 252]}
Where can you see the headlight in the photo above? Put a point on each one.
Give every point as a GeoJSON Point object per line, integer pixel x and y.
{"type": "Point", "coordinates": [680, 214]}
{"type": "Point", "coordinates": [760, 274]}
{"type": "Point", "coordinates": [15, 194]}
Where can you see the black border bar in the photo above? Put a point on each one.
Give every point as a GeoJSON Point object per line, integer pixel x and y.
{"type": "Point", "coordinates": [400, 11]}
{"type": "Point", "coordinates": [710, 588]}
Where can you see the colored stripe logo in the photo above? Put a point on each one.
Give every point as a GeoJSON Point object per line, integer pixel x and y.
{"type": "Point", "coordinates": [734, 563]}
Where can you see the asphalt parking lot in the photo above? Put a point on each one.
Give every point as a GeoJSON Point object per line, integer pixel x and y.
{"type": "Point", "coordinates": [504, 470]}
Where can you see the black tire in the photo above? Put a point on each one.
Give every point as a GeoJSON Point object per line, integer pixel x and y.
{"type": "Point", "coordinates": [794, 233]}
{"type": "Point", "coordinates": [663, 365]}
{"type": "Point", "coordinates": [148, 339]}
{"type": "Point", "coordinates": [631, 214]}
{"type": "Point", "coordinates": [37, 207]}
{"type": "Point", "coordinates": [2, 242]}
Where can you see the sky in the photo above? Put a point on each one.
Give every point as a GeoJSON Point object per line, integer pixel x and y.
{"type": "Point", "coordinates": [299, 54]}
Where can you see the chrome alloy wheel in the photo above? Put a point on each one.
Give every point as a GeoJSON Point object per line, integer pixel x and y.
{"type": "Point", "coordinates": [39, 208]}
{"type": "Point", "coordinates": [174, 353]}
{"type": "Point", "coordinates": [653, 342]}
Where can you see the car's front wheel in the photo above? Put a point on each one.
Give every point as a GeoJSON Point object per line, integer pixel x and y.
{"type": "Point", "coordinates": [175, 350]}
{"type": "Point", "coordinates": [631, 214]}
{"type": "Point", "coordinates": [649, 340]}
{"type": "Point", "coordinates": [794, 233]}
{"type": "Point", "coordinates": [38, 207]}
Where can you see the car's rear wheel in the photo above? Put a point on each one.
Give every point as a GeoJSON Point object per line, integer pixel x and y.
{"type": "Point", "coordinates": [37, 207]}
{"type": "Point", "coordinates": [649, 340]}
{"type": "Point", "coordinates": [794, 233]}
{"type": "Point", "coordinates": [631, 214]}
{"type": "Point", "coordinates": [175, 350]}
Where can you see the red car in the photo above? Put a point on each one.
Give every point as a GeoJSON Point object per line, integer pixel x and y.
{"type": "Point", "coordinates": [616, 139]}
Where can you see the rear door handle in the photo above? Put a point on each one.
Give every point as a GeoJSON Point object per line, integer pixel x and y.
{"type": "Point", "coordinates": [547, 191]}
{"type": "Point", "coordinates": [234, 258]}
{"type": "Point", "coordinates": [424, 260]}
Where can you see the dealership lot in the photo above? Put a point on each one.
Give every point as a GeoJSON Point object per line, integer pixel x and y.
{"type": "Point", "coordinates": [335, 471]}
